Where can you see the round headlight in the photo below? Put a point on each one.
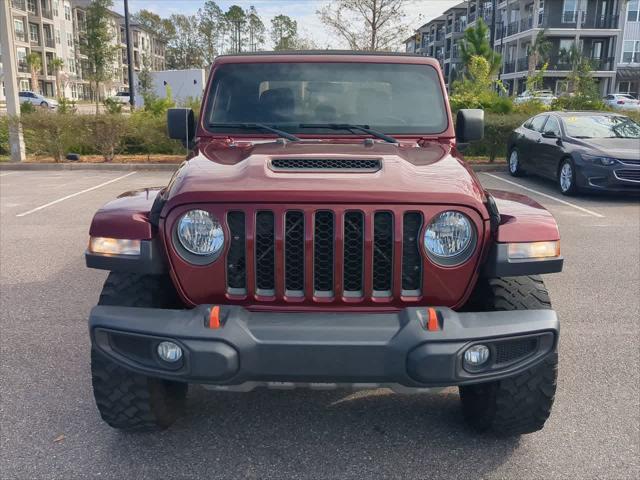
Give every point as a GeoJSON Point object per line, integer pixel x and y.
{"type": "Point", "coordinates": [200, 233]}
{"type": "Point", "coordinates": [449, 238]}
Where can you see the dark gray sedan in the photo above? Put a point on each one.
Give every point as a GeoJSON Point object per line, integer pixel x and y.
{"type": "Point", "coordinates": [579, 150]}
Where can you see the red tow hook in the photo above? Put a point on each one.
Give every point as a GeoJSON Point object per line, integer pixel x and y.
{"type": "Point", "coordinates": [433, 322]}
{"type": "Point", "coordinates": [214, 318]}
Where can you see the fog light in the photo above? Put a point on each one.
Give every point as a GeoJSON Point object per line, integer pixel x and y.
{"type": "Point", "coordinates": [476, 355]}
{"type": "Point", "coordinates": [169, 352]}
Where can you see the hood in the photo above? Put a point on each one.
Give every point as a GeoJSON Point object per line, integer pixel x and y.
{"type": "Point", "coordinates": [410, 173]}
{"type": "Point", "coordinates": [623, 148]}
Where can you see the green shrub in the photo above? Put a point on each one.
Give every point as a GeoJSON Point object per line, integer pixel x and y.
{"type": "Point", "coordinates": [27, 107]}
{"type": "Point", "coordinates": [497, 129]}
{"type": "Point", "coordinates": [66, 106]}
{"type": "Point", "coordinates": [113, 106]}
{"type": "Point", "coordinates": [106, 132]}
{"type": "Point", "coordinates": [531, 107]}
{"type": "Point", "coordinates": [51, 134]}
{"type": "Point", "coordinates": [578, 102]}
{"type": "Point", "coordinates": [147, 134]}
{"type": "Point", "coordinates": [4, 135]}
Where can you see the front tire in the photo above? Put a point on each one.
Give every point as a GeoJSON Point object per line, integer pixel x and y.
{"type": "Point", "coordinates": [44, 104]}
{"type": "Point", "coordinates": [515, 167]}
{"type": "Point", "coordinates": [127, 400]}
{"type": "Point", "coordinates": [520, 404]}
{"type": "Point", "coordinates": [567, 177]}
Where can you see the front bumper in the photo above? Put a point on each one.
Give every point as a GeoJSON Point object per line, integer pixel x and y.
{"type": "Point", "coordinates": [323, 348]}
{"type": "Point", "coordinates": [614, 178]}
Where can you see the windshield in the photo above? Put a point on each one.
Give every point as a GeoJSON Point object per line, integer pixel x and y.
{"type": "Point", "coordinates": [390, 98]}
{"type": "Point", "coordinates": [601, 126]}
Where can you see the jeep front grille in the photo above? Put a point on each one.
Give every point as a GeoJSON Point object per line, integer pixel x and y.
{"type": "Point", "coordinates": [320, 255]}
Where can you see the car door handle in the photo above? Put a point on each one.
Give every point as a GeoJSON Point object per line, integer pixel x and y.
{"type": "Point", "coordinates": [539, 140]}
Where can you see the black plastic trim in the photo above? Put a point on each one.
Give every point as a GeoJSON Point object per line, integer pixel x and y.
{"type": "Point", "coordinates": [150, 261]}
{"type": "Point", "coordinates": [498, 264]}
{"type": "Point", "coordinates": [345, 347]}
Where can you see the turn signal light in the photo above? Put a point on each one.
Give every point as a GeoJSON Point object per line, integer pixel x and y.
{"type": "Point", "coordinates": [114, 246]}
{"type": "Point", "coordinates": [534, 250]}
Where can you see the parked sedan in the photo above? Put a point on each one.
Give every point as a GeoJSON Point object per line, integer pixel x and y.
{"type": "Point", "coordinates": [622, 101]}
{"type": "Point", "coordinates": [27, 96]}
{"type": "Point", "coordinates": [546, 97]}
{"type": "Point", "coordinates": [121, 97]}
{"type": "Point", "coordinates": [579, 150]}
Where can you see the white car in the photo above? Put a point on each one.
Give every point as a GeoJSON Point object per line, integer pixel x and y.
{"type": "Point", "coordinates": [121, 97]}
{"type": "Point", "coordinates": [622, 101]}
{"type": "Point", "coordinates": [36, 99]}
{"type": "Point", "coordinates": [545, 97]}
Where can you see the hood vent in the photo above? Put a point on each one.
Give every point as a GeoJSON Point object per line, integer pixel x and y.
{"type": "Point", "coordinates": [367, 165]}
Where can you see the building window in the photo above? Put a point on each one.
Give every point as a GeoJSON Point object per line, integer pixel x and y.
{"type": "Point", "coordinates": [67, 12]}
{"type": "Point", "coordinates": [71, 64]}
{"type": "Point", "coordinates": [74, 91]}
{"type": "Point", "coordinates": [24, 84]}
{"type": "Point", "coordinates": [631, 51]}
{"type": "Point", "coordinates": [69, 40]}
{"type": "Point", "coordinates": [31, 6]}
{"type": "Point", "coordinates": [569, 11]}
{"type": "Point", "coordinates": [57, 36]}
{"type": "Point", "coordinates": [18, 26]}
{"type": "Point", "coordinates": [56, 7]}
{"type": "Point", "coordinates": [34, 33]}
{"type": "Point", "coordinates": [633, 11]}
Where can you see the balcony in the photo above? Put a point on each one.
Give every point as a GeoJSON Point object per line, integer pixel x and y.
{"type": "Point", "coordinates": [21, 36]}
{"type": "Point", "coordinates": [46, 13]}
{"type": "Point", "coordinates": [19, 4]}
{"type": "Point", "coordinates": [600, 21]}
{"type": "Point", "coordinates": [472, 17]}
{"type": "Point", "coordinates": [522, 64]}
{"type": "Point", "coordinates": [597, 64]}
{"type": "Point", "coordinates": [526, 24]}
{"type": "Point", "coordinates": [512, 28]}
{"type": "Point", "coordinates": [448, 29]}
{"type": "Point", "coordinates": [509, 67]}
{"type": "Point", "coordinates": [50, 42]}
{"type": "Point", "coordinates": [34, 40]}
{"type": "Point", "coordinates": [23, 67]}
{"type": "Point", "coordinates": [569, 20]}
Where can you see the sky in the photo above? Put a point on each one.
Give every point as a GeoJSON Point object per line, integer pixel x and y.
{"type": "Point", "coordinates": [304, 11]}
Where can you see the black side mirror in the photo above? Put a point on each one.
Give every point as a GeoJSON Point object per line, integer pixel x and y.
{"type": "Point", "coordinates": [181, 124]}
{"type": "Point", "coordinates": [469, 125]}
{"type": "Point", "coordinates": [549, 135]}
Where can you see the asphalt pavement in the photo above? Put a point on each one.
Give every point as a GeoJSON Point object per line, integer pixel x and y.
{"type": "Point", "coordinates": [50, 428]}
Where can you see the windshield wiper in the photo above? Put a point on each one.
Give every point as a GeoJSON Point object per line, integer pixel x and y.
{"type": "Point", "coordinates": [256, 126]}
{"type": "Point", "coordinates": [351, 127]}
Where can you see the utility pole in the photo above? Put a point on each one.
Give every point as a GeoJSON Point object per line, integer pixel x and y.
{"type": "Point", "coordinates": [16, 141]}
{"type": "Point", "coordinates": [132, 93]}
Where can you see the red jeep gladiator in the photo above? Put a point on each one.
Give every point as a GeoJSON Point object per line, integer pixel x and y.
{"type": "Point", "coordinates": [325, 233]}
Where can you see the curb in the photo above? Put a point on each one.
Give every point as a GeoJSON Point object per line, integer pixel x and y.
{"type": "Point", "coordinates": [157, 167]}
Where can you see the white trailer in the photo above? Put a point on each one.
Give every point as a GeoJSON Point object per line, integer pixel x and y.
{"type": "Point", "coordinates": [185, 85]}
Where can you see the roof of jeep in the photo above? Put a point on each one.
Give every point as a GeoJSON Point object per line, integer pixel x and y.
{"type": "Point", "coordinates": [326, 56]}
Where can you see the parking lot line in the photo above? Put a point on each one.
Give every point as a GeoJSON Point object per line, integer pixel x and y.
{"type": "Point", "coordinates": [23, 214]}
{"type": "Point", "coordinates": [559, 200]}
{"type": "Point", "coordinates": [6, 173]}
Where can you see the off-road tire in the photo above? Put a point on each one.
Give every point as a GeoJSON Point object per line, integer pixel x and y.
{"type": "Point", "coordinates": [126, 400]}
{"type": "Point", "coordinates": [520, 404]}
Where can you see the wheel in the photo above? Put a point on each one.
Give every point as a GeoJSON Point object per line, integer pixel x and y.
{"type": "Point", "coordinates": [567, 177]}
{"type": "Point", "coordinates": [520, 404]}
{"type": "Point", "coordinates": [515, 168]}
{"type": "Point", "coordinates": [44, 104]}
{"type": "Point", "coordinates": [127, 400]}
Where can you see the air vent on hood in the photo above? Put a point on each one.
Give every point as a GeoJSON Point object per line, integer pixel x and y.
{"type": "Point", "coordinates": [367, 165]}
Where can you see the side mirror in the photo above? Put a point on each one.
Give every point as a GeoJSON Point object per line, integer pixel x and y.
{"type": "Point", "coordinates": [181, 124]}
{"type": "Point", "coordinates": [470, 125]}
{"type": "Point", "coordinates": [549, 135]}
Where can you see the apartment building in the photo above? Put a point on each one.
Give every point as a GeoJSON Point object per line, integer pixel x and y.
{"type": "Point", "coordinates": [55, 29]}
{"type": "Point", "coordinates": [606, 31]}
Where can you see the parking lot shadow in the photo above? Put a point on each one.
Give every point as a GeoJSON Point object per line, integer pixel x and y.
{"type": "Point", "coordinates": [337, 434]}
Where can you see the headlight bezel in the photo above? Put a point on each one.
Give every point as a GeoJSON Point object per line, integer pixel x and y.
{"type": "Point", "coordinates": [463, 255]}
{"type": "Point", "coordinates": [600, 160]}
{"type": "Point", "coordinates": [190, 255]}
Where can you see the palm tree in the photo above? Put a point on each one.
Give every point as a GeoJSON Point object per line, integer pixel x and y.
{"type": "Point", "coordinates": [538, 50]}
{"type": "Point", "coordinates": [57, 64]}
{"type": "Point", "coordinates": [475, 42]}
{"type": "Point", "coordinates": [34, 60]}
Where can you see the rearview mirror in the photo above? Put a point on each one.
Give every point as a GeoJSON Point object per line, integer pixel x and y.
{"type": "Point", "coordinates": [181, 125]}
{"type": "Point", "coordinates": [470, 125]}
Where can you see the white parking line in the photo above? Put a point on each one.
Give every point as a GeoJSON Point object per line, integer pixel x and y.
{"type": "Point", "coordinates": [7, 173]}
{"type": "Point", "coordinates": [73, 195]}
{"type": "Point", "coordinates": [559, 200]}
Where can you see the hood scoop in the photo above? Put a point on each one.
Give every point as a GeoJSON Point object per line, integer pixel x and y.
{"type": "Point", "coordinates": [326, 165]}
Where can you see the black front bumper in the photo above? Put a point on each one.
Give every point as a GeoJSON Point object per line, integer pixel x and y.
{"type": "Point", "coordinates": [319, 348]}
{"type": "Point", "coordinates": [616, 178]}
